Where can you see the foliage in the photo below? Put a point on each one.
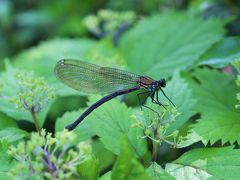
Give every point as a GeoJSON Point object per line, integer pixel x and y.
{"type": "Point", "coordinates": [236, 64]}
{"type": "Point", "coordinates": [47, 156]}
{"type": "Point", "coordinates": [127, 166]}
{"type": "Point", "coordinates": [222, 52]}
{"type": "Point", "coordinates": [194, 134]}
{"type": "Point", "coordinates": [114, 119]}
{"type": "Point", "coordinates": [206, 163]}
{"type": "Point", "coordinates": [167, 49]}
{"type": "Point", "coordinates": [33, 92]}
{"type": "Point", "coordinates": [24, 91]}
{"type": "Point", "coordinates": [108, 22]}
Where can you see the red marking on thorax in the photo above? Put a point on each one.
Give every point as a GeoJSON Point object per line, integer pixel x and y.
{"type": "Point", "coordinates": [145, 81]}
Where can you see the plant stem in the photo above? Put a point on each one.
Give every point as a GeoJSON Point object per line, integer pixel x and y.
{"type": "Point", "coordinates": [35, 120]}
{"type": "Point", "coordinates": [155, 151]}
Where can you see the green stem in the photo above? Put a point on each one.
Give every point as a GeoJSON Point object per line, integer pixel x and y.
{"type": "Point", "coordinates": [35, 120]}
{"type": "Point", "coordinates": [155, 151]}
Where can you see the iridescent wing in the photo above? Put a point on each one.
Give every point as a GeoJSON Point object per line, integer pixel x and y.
{"type": "Point", "coordinates": [91, 78]}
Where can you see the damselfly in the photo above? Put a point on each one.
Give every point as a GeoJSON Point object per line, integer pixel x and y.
{"type": "Point", "coordinates": [91, 78]}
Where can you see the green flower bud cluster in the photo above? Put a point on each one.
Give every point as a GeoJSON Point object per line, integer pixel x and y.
{"type": "Point", "coordinates": [108, 21]}
{"type": "Point", "coordinates": [236, 64]}
{"type": "Point", "coordinates": [33, 92]}
{"type": "Point", "coordinates": [50, 157]}
{"type": "Point", "coordinates": [156, 129]}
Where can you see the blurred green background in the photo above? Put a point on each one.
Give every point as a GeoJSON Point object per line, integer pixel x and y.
{"type": "Point", "coordinates": [25, 23]}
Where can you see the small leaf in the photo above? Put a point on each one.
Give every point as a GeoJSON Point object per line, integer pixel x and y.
{"type": "Point", "coordinates": [156, 172]}
{"type": "Point", "coordinates": [127, 166]}
{"type": "Point", "coordinates": [157, 47]}
{"type": "Point", "coordinates": [84, 130]}
{"type": "Point", "coordinates": [191, 138]}
{"type": "Point", "coordinates": [207, 163]}
{"type": "Point", "coordinates": [222, 53]}
{"type": "Point", "coordinates": [12, 134]}
{"type": "Point", "coordinates": [111, 121]}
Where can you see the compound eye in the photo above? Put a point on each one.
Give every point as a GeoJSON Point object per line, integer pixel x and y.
{"type": "Point", "coordinates": [162, 82]}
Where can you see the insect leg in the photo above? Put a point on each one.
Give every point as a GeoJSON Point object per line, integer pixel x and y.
{"type": "Point", "coordinates": [156, 101]}
{"type": "Point", "coordinates": [167, 97]}
{"type": "Point", "coordinates": [139, 100]}
{"type": "Point", "coordinates": [151, 94]}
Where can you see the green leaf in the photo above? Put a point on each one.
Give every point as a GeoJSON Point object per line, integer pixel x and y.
{"type": "Point", "coordinates": [12, 134]}
{"type": "Point", "coordinates": [156, 172]}
{"type": "Point", "coordinates": [216, 95]}
{"type": "Point", "coordinates": [89, 169]}
{"type": "Point", "coordinates": [106, 176]}
{"type": "Point", "coordinates": [6, 121]}
{"type": "Point", "coordinates": [127, 166]}
{"type": "Point", "coordinates": [214, 91]}
{"type": "Point", "coordinates": [43, 58]}
{"type": "Point", "coordinates": [164, 43]}
{"type": "Point", "coordinates": [6, 161]}
{"type": "Point", "coordinates": [84, 130]}
{"type": "Point", "coordinates": [222, 126]}
{"type": "Point", "coordinates": [104, 156]}
{"type": "Point", "coordinates": [222, 53]}
{"type": "Point", "coordinates": [10, 89]}
{"type": "Point", "coordinates": [207, 163]}
{"type": "Point", "coordinates": [111, 121]}
{"type": "Point", "coordinates": [191, 138]}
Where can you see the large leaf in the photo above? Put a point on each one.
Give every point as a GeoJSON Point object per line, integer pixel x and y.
{"type": "Point", "coordinates": [84, 130]}
{"type": "Point", "coordinates": [207, 163]}
{"type": "Point", "coordinates": [161, 44]}
{"type": "Point", "coordinates": [214, 91]}
{"type": "Point", "coordinates": [222, 126]}
{"type": "Point", "coordinates": [111, 121]}
{"type": "Point", "coordinates": [127, 166]}
{"type": "Point", "coordinates": [10, 89]}
{"type": "Point", "coordinates": [216, 95]}
{"type": "Point", "coordinates": [42, 58]}
{"type": "Point", "coordinates": [222, 52]}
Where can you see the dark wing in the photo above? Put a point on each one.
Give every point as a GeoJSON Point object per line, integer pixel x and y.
{"type": "Point", "coordinates": [91, 78]}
